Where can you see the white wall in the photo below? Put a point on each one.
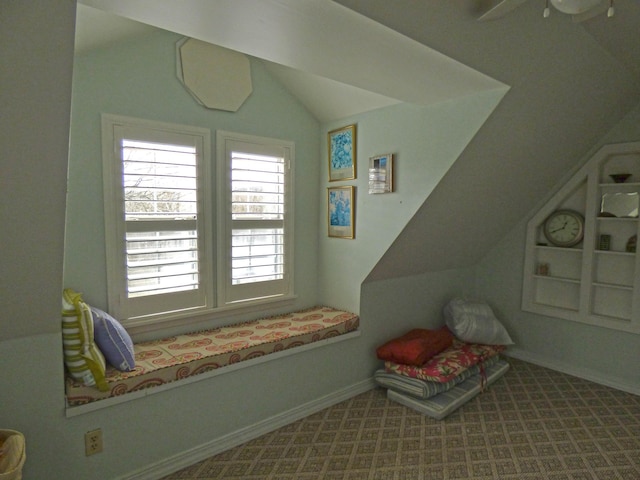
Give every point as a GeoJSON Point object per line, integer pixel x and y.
{"type": "Point", "coordinates": [600, 354]}
{"type": "Point", "coordinates": [34, 127]}
{"type": "Point", "coordinates": [36, 52]}
{"type": "Point", "coordinates": [425, 141]}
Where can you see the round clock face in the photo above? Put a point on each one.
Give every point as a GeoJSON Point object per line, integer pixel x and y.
{"type": "Point", "coordinates": [564, 228]}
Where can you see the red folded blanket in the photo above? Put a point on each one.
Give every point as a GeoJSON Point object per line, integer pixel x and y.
{"type": "Point", "coordinates": [416, 346]}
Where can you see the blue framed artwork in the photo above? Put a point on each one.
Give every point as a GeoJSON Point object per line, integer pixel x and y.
{"type": "Point", "coordinates": [342, 153]}
{"type": "Point", "coordinates": [341, 212]}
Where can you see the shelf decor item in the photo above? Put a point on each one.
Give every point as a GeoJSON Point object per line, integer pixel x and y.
{"type": "Point", "coordinates": [542, 269]}
{"type": "Point", "coordinates": [342, 153]}
{"type": "Point", "coordinates": [620, 177]}
{"type": "Point", "coordinates": [340, 211]}
{"type": "Point", "coordinates": [632, 243]}
{"type": "Point", "coordinates": [381, 174]}
{"type": "Point", "coordinates": [605, 242]}
{"type": "Point", "coordinates": [564, 228]}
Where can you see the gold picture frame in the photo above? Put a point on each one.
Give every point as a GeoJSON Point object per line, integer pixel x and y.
{"type": "Point", "coordinates": [342, 148]}
{"type": "Point", "coordinates": [341, 212]}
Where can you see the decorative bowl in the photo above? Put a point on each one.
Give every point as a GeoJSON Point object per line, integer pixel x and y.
{"type": "Point", "coordinates": [620, 177]}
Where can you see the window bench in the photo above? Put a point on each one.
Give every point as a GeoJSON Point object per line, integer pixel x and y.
{"type": "Point", "coordinates": [161, 363]}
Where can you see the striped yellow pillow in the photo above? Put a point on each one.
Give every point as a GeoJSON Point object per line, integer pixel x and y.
{"type": "Point", "coordinates": [83, 358]}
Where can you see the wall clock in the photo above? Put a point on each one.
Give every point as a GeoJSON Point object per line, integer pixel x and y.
{"type": "Point", "coordinates": [564, 228]}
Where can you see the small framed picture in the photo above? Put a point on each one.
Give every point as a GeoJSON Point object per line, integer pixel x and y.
{"type": "Point", "coordinates": [342, 153]}
{"type": "Point", "coordinates": [341, 215]}
{"type": "Point", "coordinates": [381, 174]}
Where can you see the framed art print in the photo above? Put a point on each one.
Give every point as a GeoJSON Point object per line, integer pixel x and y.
{"type": "Point", "coordinates": [341, 216]}
{"type": "Point", "coordinates": [342, 153]}
{"type": "Point", "coordinates": [381, 174]}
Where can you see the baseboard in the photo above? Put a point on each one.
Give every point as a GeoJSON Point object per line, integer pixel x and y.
{"type": "Point", "coordinates": [182, 460]}
{"type": "Point", "coordinates": [583, 373]}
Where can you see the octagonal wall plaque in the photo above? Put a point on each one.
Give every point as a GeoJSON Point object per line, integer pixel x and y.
{"type": "Point", "coordinates": [215, 76]}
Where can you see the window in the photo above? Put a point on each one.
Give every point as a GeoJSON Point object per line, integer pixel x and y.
{"type": "Point", "coordinates": [163, 260]}
{"type": "Point", "coordinates": [256, 222]}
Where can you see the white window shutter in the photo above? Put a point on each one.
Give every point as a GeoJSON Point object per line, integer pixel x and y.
{"type": "Point", "coordinates": [257, 223]}
{"type": "Point", "coordinates": [155, 218]}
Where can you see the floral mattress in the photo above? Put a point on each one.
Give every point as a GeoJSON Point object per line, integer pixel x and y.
{"type": "Point", "coordinates": [448, 364]}
{"type": "Point", "coordinates": [174, 358]}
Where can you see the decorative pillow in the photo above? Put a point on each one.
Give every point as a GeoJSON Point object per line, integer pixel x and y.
{"type": "Point", "coordinates": [416, 346]}
{"type": "Point", "coordinates": [114, 341]}
{"type": "Point", "coordinates": [447, 365]}
{"type": "Point", "coordinates": [82, 357]}
{"type": "Point", "coordinates": [474, 322]}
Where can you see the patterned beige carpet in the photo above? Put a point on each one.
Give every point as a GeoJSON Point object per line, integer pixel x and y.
{"type": "Point", "coordinates": [533, 423]}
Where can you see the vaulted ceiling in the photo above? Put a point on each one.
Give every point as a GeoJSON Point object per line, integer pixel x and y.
{"type": "Point", "coordinates": [570, 83]}
{"type": "Point", "coordinates": [337, 62]}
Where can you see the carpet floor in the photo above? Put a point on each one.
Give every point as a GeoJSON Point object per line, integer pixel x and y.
{"type": "Point", "coordinates": [533, 423]}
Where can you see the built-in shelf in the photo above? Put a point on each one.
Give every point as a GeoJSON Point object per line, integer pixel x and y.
{"type": "Point", "coordinates": [597, 281]}
{"type": "Point", "coordinates": [557, 279]}
{"type": "Point", "coordinates": [614, 286]}
{"type": "Point", "coordinates": [614, 254]}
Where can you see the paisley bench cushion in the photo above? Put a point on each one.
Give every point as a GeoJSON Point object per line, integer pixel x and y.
{"type": "Point", "coordinates": [174, 358]}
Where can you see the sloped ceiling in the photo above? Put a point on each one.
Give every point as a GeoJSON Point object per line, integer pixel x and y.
{"type": "Point", "coordinates": [315, 38]}
{"type": "Point", "coordinates": [570, 84]}
{"type": "Point", "coordinates": [326, 99]}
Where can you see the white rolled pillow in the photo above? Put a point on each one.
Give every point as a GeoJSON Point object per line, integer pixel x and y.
{"type": "Point", "coordinates": [474, 322]}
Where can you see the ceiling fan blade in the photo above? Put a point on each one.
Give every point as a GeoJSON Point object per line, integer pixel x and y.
{"type": "Point", "coordinates": [602, 7]}
{"type": "Point", "coordinates": [500, 9]}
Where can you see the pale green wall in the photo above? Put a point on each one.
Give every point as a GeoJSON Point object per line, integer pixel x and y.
{"type": "Point", "coordinates": [425, 141]}
{"type": "Point", "coordinates": [138, 79]}
{"type": "Point", "coordinates": [600, 354]}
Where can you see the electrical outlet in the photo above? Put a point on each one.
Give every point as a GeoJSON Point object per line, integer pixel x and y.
{"type": "Point", "coordinates": [93, 442]}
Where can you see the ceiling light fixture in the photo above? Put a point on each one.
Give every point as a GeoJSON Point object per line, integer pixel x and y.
{"type": "Point", "coordinates": [576, 7]}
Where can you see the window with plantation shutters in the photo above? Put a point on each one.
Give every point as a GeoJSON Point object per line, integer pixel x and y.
{"type": "Point", "coordinates": [163, 260]}
{"type": "Point", "coordinates": [156, 218]}
{"type": "Point", "coordinates": [257, 220]}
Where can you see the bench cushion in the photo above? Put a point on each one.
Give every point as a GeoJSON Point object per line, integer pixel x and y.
{"type": "Point", "coordinates": [174, 358]}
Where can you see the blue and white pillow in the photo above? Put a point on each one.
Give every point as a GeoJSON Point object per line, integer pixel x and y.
{"type": "Point", "coordinates": [113, 340]}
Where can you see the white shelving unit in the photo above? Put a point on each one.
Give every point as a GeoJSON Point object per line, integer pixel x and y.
{"type": "Point", "coordinates": [591, 282]}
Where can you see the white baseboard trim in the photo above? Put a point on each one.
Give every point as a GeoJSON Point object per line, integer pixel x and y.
{"type": "Point", "coordinates": [182, 460]}
{"type": "Point", "coordinates": [584, 373]}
